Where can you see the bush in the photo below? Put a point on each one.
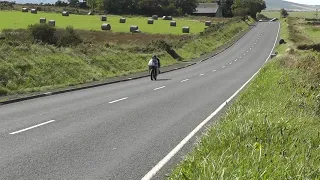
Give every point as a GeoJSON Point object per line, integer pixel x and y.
{"type": "Point", "coordinates": [43, 32]}
{"type": "Point", "coordinates": [69, 37]}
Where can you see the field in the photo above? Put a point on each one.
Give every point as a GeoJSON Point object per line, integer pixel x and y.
{"type": "Point", "coordinates": [272, 131]}
{"type": "Point", "coordinates": [17, 19]}
{"type": "Point", "coordinates": [276, 14]}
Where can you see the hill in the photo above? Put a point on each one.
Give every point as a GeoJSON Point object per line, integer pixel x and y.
{"type": "Point", "coordinates": [278, 4]}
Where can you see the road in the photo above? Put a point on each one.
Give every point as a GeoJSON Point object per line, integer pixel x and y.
{"type": "Point", "coordinates": [121, 131]}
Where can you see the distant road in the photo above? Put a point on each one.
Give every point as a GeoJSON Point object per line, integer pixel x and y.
{"type": "Point", "coordinates": [121, 131]}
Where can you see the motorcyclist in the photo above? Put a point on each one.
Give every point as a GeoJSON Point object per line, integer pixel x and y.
{"type": "Point", "coordinates": [153, 64]}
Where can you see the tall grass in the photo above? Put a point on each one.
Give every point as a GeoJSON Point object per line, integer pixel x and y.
{"type": "Point", "coordinates": [272, 131]}
{"type": "Point", "coordinates": [27, 67]}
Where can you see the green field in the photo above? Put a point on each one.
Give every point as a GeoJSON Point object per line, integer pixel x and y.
{"type": "Point", "coordinates": [276, 14]}
{"type": "Point", "coordinates": [16, 19]}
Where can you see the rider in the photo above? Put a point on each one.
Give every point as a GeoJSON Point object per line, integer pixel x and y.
{"type": "Point", "coordinates": [154, 64]}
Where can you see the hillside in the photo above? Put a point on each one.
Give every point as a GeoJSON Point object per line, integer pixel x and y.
{"type": "Point", "coordinates": [278, 4]}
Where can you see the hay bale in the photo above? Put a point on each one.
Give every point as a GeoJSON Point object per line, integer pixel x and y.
{"type": "Point", "coordinates": [167, 17]}
{"type": "Point", "coordinates": [43, 20]}
{"type": "Point", "coordinates": [150, 21]}
{"type": "Point", "coordinates": [34, 11]}
{"type": "Point", "coordinates": [208, 23]}
{"type": "Point", "coordinates": [122, 20]}
{"type": "Point", "coordinates": [186, 29]}
{"type": "Point", "coordinates": [106, 27]}
{"type": "Point", "coordinates": [103, 18]}
{"type": "Point", "coordinates": [133, 28]}
{"type": "Point", "coordinates": [65, 13]}
{"type": "Point", "coordinates": [155, 17]}
{"type": "Point", "coordinates": [24, 10]}
{"type": "Point", "coordinates": [173, 23]}
{"type": "Point", "coordinates": [52, 22]}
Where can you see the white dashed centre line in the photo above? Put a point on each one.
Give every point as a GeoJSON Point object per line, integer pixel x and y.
{"type": "Point", "coordinates": [240, 57]}
{"type": "Point", "coordinates": [201, 75]}
{"type": "Point", "coordinates": [230, 63]}
{"type": "Point", "coordinates": [159, 88]}
{"type": "Point", "coordinates": [236, 60]}
{"type": "Point", "coordinates": [26, 129]}
{"type": "Point", "coordinates": [223, 67]}
{"type": "Point", "coordinates": [214, 70]}
{"type": "Point", "coordinates": [185, 80]}
{"type": "Point", "coordinates": [111, 102]}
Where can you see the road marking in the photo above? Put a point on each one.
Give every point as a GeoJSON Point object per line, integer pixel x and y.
{"type": "Point", "coordinates": [244, 54]}
{"type": "Point", "coordinates": [223, 67]}
{"type": "Point", "coordinates": [240, 57]}
{"type": "Point", "coordinates": [236, 60]}
{"type": "Point", "coordinates": [159, 88]}
{"type": "Point", "coordinates": [230, 63]}
{"type": "Point", "coordinates": [214, 70]}
{"type": "Point", "coordinates": [111, 102]}
{"type": "Point", "coordinates": [247, 51]}
{"type": "Point", "coordinates": [185, 80]}
{"type": "Point", "coordinates": [250, 48]}
{"type": "Point", "coordinates": [168, 157]}
{"type": "Point", "coordinates": [201, 75]}
{"type": "Point", "coordinates": [26, 129]}
{"type": "Point", "coordinates": [129, 78]}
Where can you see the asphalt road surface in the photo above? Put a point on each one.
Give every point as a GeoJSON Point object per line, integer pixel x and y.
{"type": "Point", "coordinates": [121, 131]}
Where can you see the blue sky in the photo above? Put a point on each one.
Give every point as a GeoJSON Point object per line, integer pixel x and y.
{"type": "Point", "coordinates": [310, 2]}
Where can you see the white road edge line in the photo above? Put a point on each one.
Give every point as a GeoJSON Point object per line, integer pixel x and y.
{"type": "Point", "coordinates": [185, 80]}
{"type": "Point", "coordinates": [111, 102]}
{"type": "Point", "coordinates": [26, 129]}
{"type": "Point", "coordinates": [155, 169]}
{"type": "Point", "coordinates": [159, 88]}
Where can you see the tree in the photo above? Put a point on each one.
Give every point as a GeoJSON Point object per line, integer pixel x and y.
{"type": "Point", "coordinates": [283, 13]}
{"type": "Point", "coordinates": [252, 7]}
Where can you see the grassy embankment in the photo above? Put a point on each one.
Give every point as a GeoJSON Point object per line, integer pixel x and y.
{"type": "Point", "coordinates": [272, 131]}
{"type": "Point", "coordinates": [303, 14]}
{"type": "Point", "coordinates": [28, 67]}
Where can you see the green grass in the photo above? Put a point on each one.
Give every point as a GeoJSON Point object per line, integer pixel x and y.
{"type": "Point", "coordinates": [272, 130]}
{"type": "Point", "coordinates": [304, 14]}
{"type": "Point", "coordinates": [16, 19]}
{"type": "Point", "coordinates": [32, 67]}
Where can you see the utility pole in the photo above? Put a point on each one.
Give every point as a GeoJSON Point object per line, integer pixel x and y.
{"type": "Point", "coordinates": [316, 14]}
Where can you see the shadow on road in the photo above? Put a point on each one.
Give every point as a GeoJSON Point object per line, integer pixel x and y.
{"type": "Point", "coordinates": [164, 79]}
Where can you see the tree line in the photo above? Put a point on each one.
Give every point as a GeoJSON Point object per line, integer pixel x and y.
{"type": "Point", "coordinates": [229, 8]}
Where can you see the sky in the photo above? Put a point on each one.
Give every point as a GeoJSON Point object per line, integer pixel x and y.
{"type": "Point", "coordinates": [310, 2]}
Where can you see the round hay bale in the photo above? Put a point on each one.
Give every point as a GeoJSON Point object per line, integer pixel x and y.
{"type": "Point", "coordinates": [43, 20]}
{"type": "Point", "coordinates": [24, 9]}
{"type": "Point", "coordinates": [65, 13]}
{"type": "Point", "coordinates": [52, 22]}
{"type": "Point", "coordinates": [186, 29]}
{"type": "Point", "coordinates": [150, 21]}
{"type": "Point", "coordinates": [208, 23]}
{"type": "Point", "coordinates": [173, 23]}
{"type": "Point", "coordinates": [155, 17]}
{"type": "Point", "coordinates": [122, 20]}
{"type": "Point", "coordinates": [34, 11]}
{"type": "Point", "coordinates": [167, 17]}
{"type": "Point", "coordinates": [103, 18]}
{"type": "Point", "coordinates": [133, 28]}
{"type": "Point", "coordinates": [106, 27]}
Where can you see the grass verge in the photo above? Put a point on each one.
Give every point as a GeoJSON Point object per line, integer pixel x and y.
{"type": "Point", "coordinates": [272, 131]}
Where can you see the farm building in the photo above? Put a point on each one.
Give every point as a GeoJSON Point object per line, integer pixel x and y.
{"type": "Point", "coordinates": [208, 9]}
